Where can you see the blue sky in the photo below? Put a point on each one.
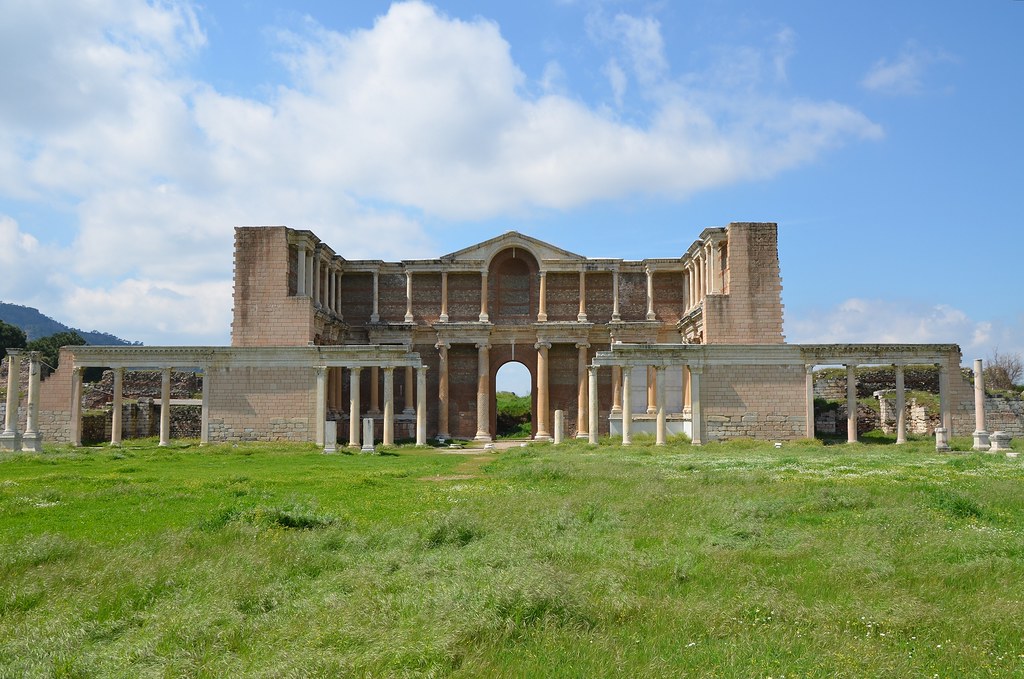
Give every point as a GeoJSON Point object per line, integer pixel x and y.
{"type": "Point", "coordinates": [883, 137]}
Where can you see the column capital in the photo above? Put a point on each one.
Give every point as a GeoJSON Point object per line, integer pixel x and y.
{"type": "Point", "coordinates": [809, 368]}
{"type": "Point", "coordinates": [541, 344]}
{"type": "Point", "coordinates": [75, 371]}
{"type": "Point", "coordinates": [483, 345]}
{"type": "Point", "coordinates": [388, 369]}
{"type": "Point", "coordinates": [13, 353]}
{"type": "Point", "coordinates": [443, 345]}
{"type": "Point", "coordinates": [695, 369]}
{"type": "Point", "coordinates": [422, 368]}
{"type": "Point", "coordinates": [356, 369]}
{"type": "Point", "coordinates": [583, 345]}
{"type": "Point", "coordinates": [660, 368]}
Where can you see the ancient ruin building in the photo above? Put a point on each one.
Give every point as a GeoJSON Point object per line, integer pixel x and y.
{"type": "Point", "coordinates": [691, 343]}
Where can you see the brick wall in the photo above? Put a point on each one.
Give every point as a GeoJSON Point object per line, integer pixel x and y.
{"type": "Point", "coordinates": [757, 401]}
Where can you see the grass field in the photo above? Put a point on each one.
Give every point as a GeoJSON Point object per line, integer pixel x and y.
{"type": "Point", "coordinates": [728, 560]}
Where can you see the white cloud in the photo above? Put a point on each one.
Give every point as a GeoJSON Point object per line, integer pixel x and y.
{"type": "Point", "coordinates": [420, 116]}
{"type": "Point", "coordinates": [905, 74]}
{"type": "Point", "coordinates": [886, 321]}
{"type": "Point", "coordinates": [617, 80]}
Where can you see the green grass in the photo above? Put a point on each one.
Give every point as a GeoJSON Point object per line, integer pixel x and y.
{"type": "Point", "coordinates": [733, 559]}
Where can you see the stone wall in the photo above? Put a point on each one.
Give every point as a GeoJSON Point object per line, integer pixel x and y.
{"type": "Point", "coordinates": [758, 401]}
{"type": "Point", "coordinates": [262, 404]}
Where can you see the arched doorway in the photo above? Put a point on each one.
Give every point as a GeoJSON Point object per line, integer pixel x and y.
{"type": "Point", "coordinates": [513, 401]}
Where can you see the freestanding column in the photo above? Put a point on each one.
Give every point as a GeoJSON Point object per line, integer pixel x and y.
{"type": "Point", "coordinates": [116, 406]}
{"type": "Point", "coordinates": [582, 418]}
{"type": "Point", "coordinates": [165, 406]}
{"type": "Point", "coordinates": [615, 296]}
{"type": "Point", "coordinates": [421, 405]}
{"type": "Point", "coordinates": [542, 391]}
{"type": "Point", "coordinates": [408, 297]}
{"type": "Point", "coordinates": [713, 268]}
{"type": "Point", "coordinates": [594, 406]}
{"type": "Point", "coordinates": [353, 407]}
{"type": "Point", "coordinates": [947, 417]}
{"type": "Point", "coordinates": [317, 288]}
{"type": "Point", "coordinates": [375, 389]}
{"type": "Point", "coordinates": [652, 390]}
{"type": "Point", "coordinates": [483, 297]}
{"type": "Point", "coordinates": [76, 405]}
{"type": "Point", "coordinates": [375, 314]}
{"type": "Point", "coordinates": [300, 271]}
{"type": "Point", "coordinates": [332, 290]}
{"type": "Point", "coordinates": [444, 298]}
{"type": "Point", "coordinates": [389, 406]}
{"type": "Point", "coordinates": [851, 404]}
{"type": "Point", "coordinates": [321, 405]}
{"type": "Point", "coordinates": [204, 416]}
{"type": "Point", "coordinates": [627, 404]}
{"type": "Point", "coordinates": [650, 296]}
{"type": "Point", "coordinates": [616, 388]}
{"type": "Point", "coordinates": [686, 288]}
{"type": "Point", "coordinates": [10, 439]}
{"type": "Point", "coordinates": [442, 391]}
{"type": "Point", "coordinates": [32, 440]}
{"type": "Point", "coordinates": [901, 407]}
{"type": "Point", "coordinates": [809, 403]}
{"type": "Point", "coordinates": [483, 414]}
{"type": "Point", "coordinates": [981, 441]}
{"type": "Point", "coordinates": [696, 417]}
{"type": "Point", "coordinates": [410, 403]}
{"type": "Point", "coordinates": [309, 273]}
{"type": "Point", "coordinates": [659, 437]}
{"type": "Point", "coordinates": [582, 315]}
{"type": "Point", "coordinates": [542, 311]}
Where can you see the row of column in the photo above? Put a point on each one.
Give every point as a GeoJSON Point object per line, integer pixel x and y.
{"type": "Point", "coordinates": [320, 280]}
{"type": "Point", "coordinates": [655, 399]}
{"type": "Point", "coordinates": [901, 416]}
{"type": "Point", "coordinates": [702, 275]}
{"type": "Point", "coordinates": [11, 439]}
{"type": "Point", "coordinates": [542, 313]}
{"type": "Point", "coordinates": [326, 388]}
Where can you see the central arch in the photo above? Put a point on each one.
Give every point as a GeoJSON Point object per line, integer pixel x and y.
{"type": "Point", "coordinates": [514, 295]}
{"type": "Point", "coordinates": [513, 401]}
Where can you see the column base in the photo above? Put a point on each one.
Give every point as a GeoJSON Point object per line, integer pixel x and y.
{"type": "Point", "coordinates": [941, 440]}
{"type": "Point", "coordinates": [11, 441]}
{"type": "Point", "coordinates": [443, 318]}
{"type": "Point", "coordinates": [981, 441]}
{"type": "Point", "coordinates": [582, 435]}
{"type": "Point", "coordinates": [482, 436]}
{"type": "Point", "coordinates": [542, 437]}
{"type": "Point", "coordinates": [32, 442]}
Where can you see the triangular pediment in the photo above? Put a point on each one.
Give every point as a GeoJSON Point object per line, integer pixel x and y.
{"type": "Point", "coordinates": [486, 250]}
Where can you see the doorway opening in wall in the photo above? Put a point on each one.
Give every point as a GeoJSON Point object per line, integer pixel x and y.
{"type": "Point", "coordinates": [513, 388]}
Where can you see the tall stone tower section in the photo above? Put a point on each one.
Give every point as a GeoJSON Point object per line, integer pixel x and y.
{"type": "Point", "coordinates": [749, 310]}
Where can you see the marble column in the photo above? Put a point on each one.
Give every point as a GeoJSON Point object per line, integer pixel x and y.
{"type": "Point", "coordinates": [981, 441]}
{"type": "Point", "coordinates": [316, 279]}
{"type": "Point", "coordinates": [353, 407]}
{"type": "Point", "coordinates": [484, 318]}
{"type": "Point", "coordinates": [582, 399]}
{"type": "Point", "coordinates": [375, 390]}
{"type": "Point", "coordinates": [851, 403]}
{"type": "Point", "coordinates": [809, 401]}
{"type": "Point", "coordinates": [615, 296]}
{"type": "Point", "coordinates": [652, 390]}
{"type": "Point", "coordinates": [421, 405]}
{"type": "Point", "coordinates": [443, 318]}
{"type": "Point", "coordinates": [582, 315]}
{"type": "Point", "coordinates": [696, 414]}
{"type": "Point", "coordinates": [442, 390]}
{"type": "Point", "coordinates": [947, 416]}
{"type": "Point", "coordinates": [686, 288]}
{"type": "Point", "coordinates": [309, 273]}
{"type": "Point", "coordinates": [32, 440]}
{"type": "Point", "coordinates": [300, 271]}
{"type": "Point", "coordinates": [410, 403]}
{"type": "Point", "coordinates": [375, 314]}
{"type": "Point", "coordinates": [542, 311]}
{"type": "Point", "coordinates": [542, 391]}
{"type": "Point", "coordinates": [483, 411]}
{"type": "Point", "coordinates": [10, 439]}
{"type": "Point", "coordinates": [76, 406]}
{"type": "Point", "coordinates": [408, 297]}
{"type": "Point", "coordinates": [713, 268]}
{"type": "Point", "coordinates": [659, 436]}
{"type": "Point", "coordinates": [616, 388]}
{"type": "Point", "coordinates": [204, 409]}
{"type": "Point", "coordinates": [165, 406]}
{"type": "Point", "coordinates": [627, 404]}
{"type": "Point", "coordinates": [117, 406]}
{"type": "Point", "coordinates": [321, 405]}
{"type": "Point", "coordinates": [901, 406]}
{"type": "Point", "coordinates": [594, 405]}
{"type": "Point", "coordinates": [389, 406]}
{"type": "Point", "coordinates": [332, 289]}
{"type": "Point", "coordinates": [651, 316]}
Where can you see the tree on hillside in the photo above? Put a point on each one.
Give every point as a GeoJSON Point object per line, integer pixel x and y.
{"type": "Point", "coordinates": [1004, 371]}
{"type": "Point", "coordinates": [50, 346]}
{"type": "Point", "coordinates": [11, 336]}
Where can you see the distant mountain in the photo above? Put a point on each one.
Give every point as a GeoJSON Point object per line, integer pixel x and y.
{"type": "Point", "coordinates": [36, 325]}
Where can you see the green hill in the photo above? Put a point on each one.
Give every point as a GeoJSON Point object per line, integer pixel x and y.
{"type": "Point", "coordinates": [36, 325]}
